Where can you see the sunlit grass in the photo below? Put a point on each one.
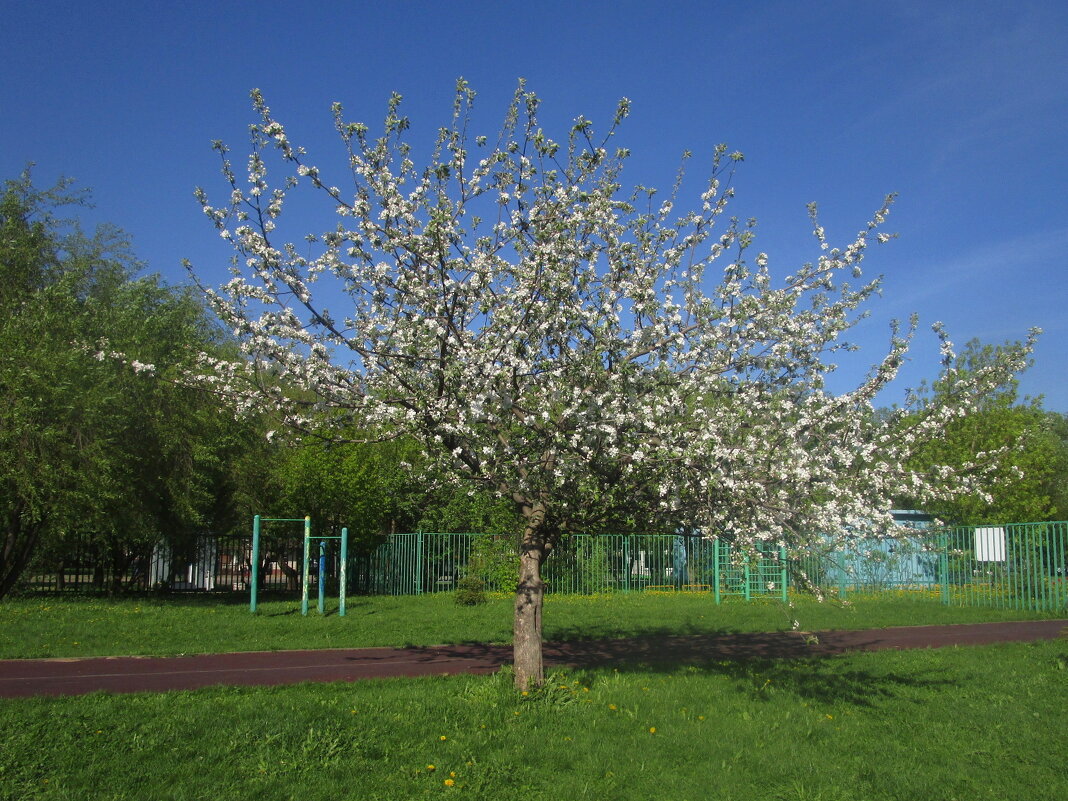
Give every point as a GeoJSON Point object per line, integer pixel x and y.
{"type": "Point", "coordinates": [52, 626]}
{"type": "Point", "coordinates": [957, 723]}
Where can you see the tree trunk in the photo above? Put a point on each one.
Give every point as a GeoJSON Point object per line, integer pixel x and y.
{"type": "Point", "coordinates": [529, 595]}
{"type": "Point", "coordinates": [18, 546]}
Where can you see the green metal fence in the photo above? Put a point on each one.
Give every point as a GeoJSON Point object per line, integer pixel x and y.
{"type": "Point", "coordinates": [1012, 566]}
{"type": "Point", "coordinates": [412, 564]}
{"type": "Point", "coordinates": [1019, 566]}
{"type": "Point", "coordinates": [1015, 566]}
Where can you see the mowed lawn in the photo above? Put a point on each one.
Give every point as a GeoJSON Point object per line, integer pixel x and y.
{"type": "Point", "coordinates": [87, 626]}
{"type": "Point", "coordinates": [957, 723]}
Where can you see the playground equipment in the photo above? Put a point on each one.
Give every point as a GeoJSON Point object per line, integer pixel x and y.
{"type": "Point", "coordinates": [257, 522]}
{"type": "Point", "coordinates": [344, 537]}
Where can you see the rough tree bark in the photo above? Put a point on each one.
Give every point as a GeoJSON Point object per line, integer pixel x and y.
{"type": "Point", "coordinates": [529, 596]}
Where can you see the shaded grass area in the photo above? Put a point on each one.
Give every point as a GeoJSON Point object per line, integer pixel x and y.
{"type": "Point", "coordinates": [957, 723]}
{"type": "Point", "coordinates": [71, 627]}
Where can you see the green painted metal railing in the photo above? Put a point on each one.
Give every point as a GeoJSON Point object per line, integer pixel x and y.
{"type": "Point", "coordinates": [411, 564]}
{"type": "Point", "coordinates": [1011, 566]}
{"type": "Point", "coordinates": [1018, 566]}
{"type": "Point", "coordinates": [1015, 566]}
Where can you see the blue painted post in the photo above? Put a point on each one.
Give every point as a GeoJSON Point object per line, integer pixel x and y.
{"type": "Point", "coordinates": [254, 567]}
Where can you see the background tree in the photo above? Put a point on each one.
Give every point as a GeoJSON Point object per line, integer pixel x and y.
{"type": "Point", "coordinates": [1023, 447]}
{"type": "Point", "coordinates": [362, 486]}
{"type": "Point", "coordinates": [575, 348]}
{"type": "Point", "coordinates": [87, 446]}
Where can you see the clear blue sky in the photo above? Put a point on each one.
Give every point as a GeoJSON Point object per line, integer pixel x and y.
{"type": "Point", "coordinates": [961, 107]}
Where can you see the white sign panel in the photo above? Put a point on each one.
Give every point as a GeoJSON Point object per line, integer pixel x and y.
{"type": "Point", "coordinates": [990, 544]}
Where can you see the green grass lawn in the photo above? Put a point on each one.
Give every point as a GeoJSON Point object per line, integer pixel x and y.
{"type": "Point", "coordinates": [66, 627]}
{"type": "Point", "coordinates": [955, 723]}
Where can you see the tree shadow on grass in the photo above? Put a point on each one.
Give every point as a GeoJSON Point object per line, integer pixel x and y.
{"type": "Point", "coordinates": [762, 665]}
{"type": "Point", "coordinates": [823, 680]}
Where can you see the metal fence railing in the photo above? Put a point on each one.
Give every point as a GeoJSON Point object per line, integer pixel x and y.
{"type": "Point", "coordinates": [210, 563]}
{"type": "Point", "coordinates": [1019, 566]}
{"type": "Point", "coordinates": [1012, 566]}
{"type": "Point", "coordinates": [425, 563]}
{"type": "Point", "coordinates": [1015, 566]}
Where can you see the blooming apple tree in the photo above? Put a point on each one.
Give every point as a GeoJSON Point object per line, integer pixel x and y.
{"type": "Point", "coordinates": [587, 351]}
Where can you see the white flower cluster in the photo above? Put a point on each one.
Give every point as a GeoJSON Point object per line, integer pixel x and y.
{"type": "Point", "coordinates": [570, 344]}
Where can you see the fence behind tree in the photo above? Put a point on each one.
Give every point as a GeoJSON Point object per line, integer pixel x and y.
{"type": "Point", "coordinates": [412, 564]}
{"type": "Point", "coordinates": [1019, 566]}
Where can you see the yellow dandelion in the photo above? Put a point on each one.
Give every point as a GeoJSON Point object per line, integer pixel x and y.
{"type": "Point", "coordinates": [443, 737]}
{"type": "Point", "coordinates": [652, 729]}
{"type": "Point", "coordinates": [450, 782]}
{"type": "Point", "coordinates": [430, 768]}
{"type": "Point", "coordinates": [613, 707]}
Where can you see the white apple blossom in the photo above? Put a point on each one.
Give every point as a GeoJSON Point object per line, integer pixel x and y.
{"type": "Point", "coordinates": [570, 344]}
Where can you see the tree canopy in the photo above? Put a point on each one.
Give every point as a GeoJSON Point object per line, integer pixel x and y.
{"type": "Point", "coordinates": [89, 444]}
{"type": "Point", "coordinates": [1022, 448]}
{"type": "Point", "coordinates": [586, 351]}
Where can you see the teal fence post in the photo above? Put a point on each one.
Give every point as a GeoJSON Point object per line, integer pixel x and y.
{"type": "Point", "coordinates": [1037, 591]}
{"type": "Point", "coordinates": [254, 567]}
{"type": "Point", "coordinates": [305, 572]}
{"type": "Point", "coordinates": [782, 573]}
{"type": "Point", "coordinates": [419, 564]}
{"type": "Point", "coordinates": [626, 563]}
{"type": "Point", "coordinates": [943, 566]}
{"type": "Point", "coordinates": [321, 581]}
{"type": "Point", "coordinates": [715, 567]}
{"type": "Point", "coordinates": [1059, 566]}
{"type": "Point", "coordinates": [343, 571]}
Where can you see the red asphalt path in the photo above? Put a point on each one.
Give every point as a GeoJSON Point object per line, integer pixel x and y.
{"type": "Point", "coordinates": [29, 677]}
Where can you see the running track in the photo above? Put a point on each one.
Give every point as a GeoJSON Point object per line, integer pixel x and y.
{"type": "Point", "coordinates": [28, 677]}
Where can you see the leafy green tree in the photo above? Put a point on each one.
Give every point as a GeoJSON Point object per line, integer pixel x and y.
{"type": "Point", "coordinates": [93, 444]}
{"type": "Point", "coordinates": [1056, 425]}
{"type": "Point", "coordinates": [1022, 449]}
{"type": "Point", "coordinates": [361, 486]}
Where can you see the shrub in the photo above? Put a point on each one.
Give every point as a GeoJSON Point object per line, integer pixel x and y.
{"type": "Point", "coordinates": [470, 591]}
